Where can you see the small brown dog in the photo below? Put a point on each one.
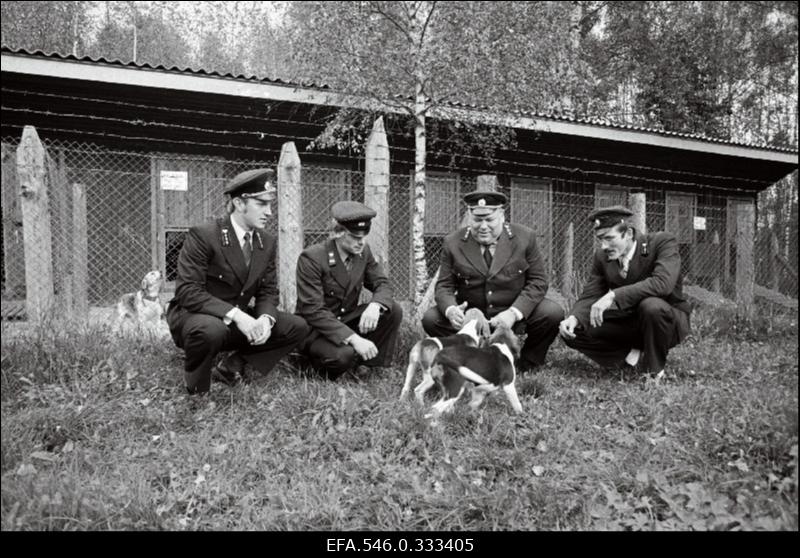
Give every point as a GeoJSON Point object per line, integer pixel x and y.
{"type": "Point", "coordinates": [144, 306]}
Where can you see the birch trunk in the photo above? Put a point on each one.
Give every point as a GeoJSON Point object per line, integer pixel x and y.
{"type": "Point", "coordinates": [418, 220]}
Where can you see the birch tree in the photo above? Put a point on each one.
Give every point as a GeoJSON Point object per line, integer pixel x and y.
{"type": "Point", "coordinates": [418, 58]}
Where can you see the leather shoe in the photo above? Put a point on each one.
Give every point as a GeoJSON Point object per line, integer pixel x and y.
{"type": "Point", "coordinates": [230, 370]}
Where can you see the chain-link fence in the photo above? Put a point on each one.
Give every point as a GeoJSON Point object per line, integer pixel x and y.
{"type": "Point", "coordinates": [110, 216]}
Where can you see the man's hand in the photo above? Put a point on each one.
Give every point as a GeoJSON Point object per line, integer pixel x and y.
{"type": "Point", "coordinates": [456, 315]}
{"type": "Point", "coordinates": [567, 327]}
{"type": "Point", "coordinates": [248, 325]}
{"type": "Point", "coordinates": [365, 348]}
{"type": "Point", "coordinates": [369, 318]}
{"type": "Point", "coordinates": [263, 330]}
{"type": "Point", "coordinates": [602, 304]}
{"type": "Point", "coordinates": [507, 318]}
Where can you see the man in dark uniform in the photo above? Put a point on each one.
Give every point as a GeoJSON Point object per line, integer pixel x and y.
{"type": "Point", "coordinates": [495, 267]}
{"type": "Point", "coordinates": [221, 267]}
{"type": "Point", "coordinates": [329, 280]}
{"type": "Point", "coordinates": [633, 302]}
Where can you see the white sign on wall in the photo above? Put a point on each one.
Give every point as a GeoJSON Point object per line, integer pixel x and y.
{"type": "Point", "coordinates": [699, 223]}
{"type": "Point", "coordinates": [174, 180]}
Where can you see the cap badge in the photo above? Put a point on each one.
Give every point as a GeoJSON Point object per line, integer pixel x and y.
{"type": "Point", "coordinates": [597, 222]}
{"type": "Point", "coordinates": [361, 224]}
{"type": "Point", "coordinates": [481, 202]}
{"type": "Point", "coordinates": [267, 185]}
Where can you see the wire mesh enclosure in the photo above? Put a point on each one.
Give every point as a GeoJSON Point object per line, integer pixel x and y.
{"type": "Point", "coordinates": [106, 217]}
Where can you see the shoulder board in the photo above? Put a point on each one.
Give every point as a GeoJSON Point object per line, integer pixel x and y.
{"type": "Point", "coordinates": [644, 249]}
{"type": "Point", "coordinates": [331, 259]}
{"type": "Point", "coordinates": [466, 234]}
{"type": "Point", "coordinates": [258, 238]}
{"type": "Point", "coordinates": [508, 231]}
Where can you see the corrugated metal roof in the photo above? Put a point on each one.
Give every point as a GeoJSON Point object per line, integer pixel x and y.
{"type": "Point", "coordinates": [600, 122]}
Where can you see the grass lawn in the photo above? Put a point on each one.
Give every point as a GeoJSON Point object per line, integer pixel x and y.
{"type": "Point", "coordinates": [97, 433]}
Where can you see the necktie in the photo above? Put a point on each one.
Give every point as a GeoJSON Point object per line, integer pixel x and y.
{"type": "Point", "coordinates": [623, 268]}
{"type": "Point", "coordinates": [247, 249]}
{"type": "Point", "coordinates": [348, 263]}
{"type": "Point", "coordinates": [487, 256]}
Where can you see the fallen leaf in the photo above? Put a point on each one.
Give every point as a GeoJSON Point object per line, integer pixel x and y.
{"type": "Point", "coordinates": [44, 456]}
{"type": "Point", "coordinates": [538, 470]}
{"type": "Point", "coordinates": [68, 447]}
{"type": "Point", "coordinates": [542, 446]}
{"type": "Point", "coordinates": [26, 469]}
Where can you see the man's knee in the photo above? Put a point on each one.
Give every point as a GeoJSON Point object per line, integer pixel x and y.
{"type": "Point", "coordinates": [395, 314]}
{"type": "Point", "coordinates": [294, 327]}
{"type": "Point", "coordinates": [209, 331]}
{"type": "Point", "coordinates": [431, 319]}
{"type": "Point", "coordinates": [550, 312]}
{"type": "Point", "coordinates": [339, 360]}
{"type": "Point", "coordinates": [654, 308]}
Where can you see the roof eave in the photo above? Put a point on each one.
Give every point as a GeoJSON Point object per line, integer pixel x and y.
{"type": "Point", "coordinates": [258, 89]}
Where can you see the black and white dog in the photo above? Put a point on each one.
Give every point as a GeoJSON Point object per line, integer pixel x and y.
{"type": "Point", "coordinates": [475, 329]}
{"type": "Point", "coordinates": [487, 368]}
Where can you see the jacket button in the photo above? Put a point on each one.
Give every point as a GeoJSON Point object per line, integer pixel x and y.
{"type": "Point", "coordinates": [489, 293]}
{"type": "Point", "coordinates": [220, 276]}
{"type": "Point", "coordinates": [241, 293]}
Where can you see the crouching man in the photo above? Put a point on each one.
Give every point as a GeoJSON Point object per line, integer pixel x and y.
{"type": "Point", "coordinates": [221, 267]}
{"type": "Point", "coordinates": [330, 275]}
{"type": "Point", "coordinates": [633, 303]}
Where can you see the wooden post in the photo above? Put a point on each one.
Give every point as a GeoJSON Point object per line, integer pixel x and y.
{"type": "Point", "coordinates": [35, 225]}
{"type": "Point", "coordinates": [569, 256]}
{"type": "Point", "coordinates": [638, 204]}
{"type": "Point", "coordinates": [62, 233]}
{"type": "Point", "coordinates": [715, 242]}
{"type": "Point", "coordinates": [13, 255]}
{"type": "Point", "coordinates": [290, 224]}
{"type": "Point", "coordinates": [772, 267]}
{"type": "Point", "coordinates": [80, 253]}
{"type": "Point", "coordinates": [745, 265]}
{"type": "Point", "coordinates": [376, 190]}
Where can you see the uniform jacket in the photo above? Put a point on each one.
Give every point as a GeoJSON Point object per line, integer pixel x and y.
{"type": "Point", "coordinates": [517, 277]}
{"type": "Point", "coordinates": [654, 270]}
{"type": "Point", "coordinates": [326, 291]}
{"type": "Point", "coordinates": [212, 277]}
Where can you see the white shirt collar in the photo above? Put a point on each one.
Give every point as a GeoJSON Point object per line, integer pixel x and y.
{"type": "Point", "coordinates": [239, 231]}
{"type": "Point", "coordinates": [625, 260]}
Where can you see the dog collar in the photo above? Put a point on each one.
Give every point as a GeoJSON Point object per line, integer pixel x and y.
{"type": "Point", "coordinates": [151, 298]}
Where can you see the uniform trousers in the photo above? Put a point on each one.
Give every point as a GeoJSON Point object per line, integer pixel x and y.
{"type": "Point", "coordinates": [333, 360]}
{"type": "Point", "coordinates": [203, 336]}
{"type": "Point", "coordinates": [654, 328]}
{"type": "Point", "coordinates": [541, 327]}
